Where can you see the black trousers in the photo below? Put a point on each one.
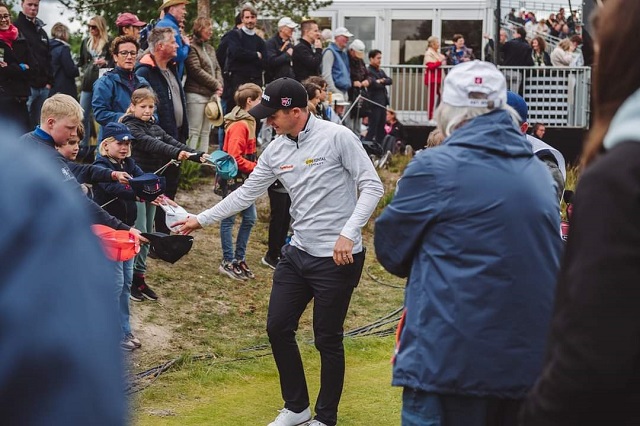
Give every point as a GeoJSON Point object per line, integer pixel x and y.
{"type": "Point", "coordinates": [279, 202]}
{"type": "Point", "coordinates": [298, 278]}
{"type": "Point", "coordinates": [377, 119]}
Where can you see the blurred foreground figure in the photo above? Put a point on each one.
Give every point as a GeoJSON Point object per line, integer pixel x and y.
{"type": "Point", "coordinates": [592, 371]}
{"type": "Point", "coordinates": [60, 362]}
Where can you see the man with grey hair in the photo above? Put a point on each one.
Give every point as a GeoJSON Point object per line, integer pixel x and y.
{"type": "Point", "coordinates": [475, 227]}
{"type": "Point", "coordinates": [335, 63]}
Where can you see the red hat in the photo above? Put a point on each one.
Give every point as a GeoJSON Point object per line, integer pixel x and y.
{"type": "Point", "coordinates": [129, 19]}
{"type": "Point", "coordinates": [118, 246]}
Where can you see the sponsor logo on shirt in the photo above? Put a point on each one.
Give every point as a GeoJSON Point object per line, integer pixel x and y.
{"type": "Point", "coordinates": [286, 167]}
{"type": "Point", "coordinates": [314, 161]}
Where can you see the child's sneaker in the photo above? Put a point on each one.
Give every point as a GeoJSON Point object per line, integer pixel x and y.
{"type": "Point", "coordinates": [245, 269]}
{"type": "Point", "coordinates": [232, 270]}
{"type": "Point", "coordinates": [127, 345]}
{"type": "Point", "coordinates": [142, 288]}
{"type": "Point", "coordinates": [289, 418]}
{"type": "Point", "coordinates": [136, 294]}
{"type": "Point", "coordinates": [133, 339]}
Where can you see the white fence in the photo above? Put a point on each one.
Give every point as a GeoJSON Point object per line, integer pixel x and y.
{"type": "Point", "coordinates": [557, 96]}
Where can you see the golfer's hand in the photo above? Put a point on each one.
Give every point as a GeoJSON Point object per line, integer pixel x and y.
{"type": "Point", "coordinates": [185, 227]}
{"type": "Point", "coordinates": [343, 251]}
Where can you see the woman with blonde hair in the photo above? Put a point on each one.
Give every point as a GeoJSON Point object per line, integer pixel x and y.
{"type": "Point", "coordinates": [562, 55]}
{"type": "Point", "coordinates": [433, 61]}
{"type": "Point", "coordinates": [591, 374]}
{"type": "Point", "coordinates": [94, 54]}
{"type": "Point", "coordinates": [64, 69]}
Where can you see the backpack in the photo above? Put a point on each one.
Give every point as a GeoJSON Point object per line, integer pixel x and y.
{"type": "Point", "coordinates": [225, 165]}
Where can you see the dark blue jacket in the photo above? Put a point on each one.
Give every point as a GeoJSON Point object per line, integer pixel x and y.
{"type": "Point", "coordinates": [124, 207]}
{"type": "Point", "coordinates": [475, 226]}
{"type": "Point", "coordinates": [56, 285]}
{"type": "Point", "coordinates": [242, 57]}
{"type": "Point", "coordinates": [377, 92]}
{"type": "Point", "coordinates": [148, 70]}
{"type": "Point", "coordinates": [63, 68]}
{"type": "Point", "coordinates": [112, 95]}
{"type": "Point", "coordinates": [38, 41]}
{"type": "Point", "coordinates": [43, 142]}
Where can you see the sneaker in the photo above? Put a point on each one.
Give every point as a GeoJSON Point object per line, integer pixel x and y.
{"type": "Point", "coordinates": [142, 288]}
{"type": "Point", "coordinates": [245, 269]}
{"type": "Point", "coordinates": [268, 261]}
{"type": "Point", "coordinates": [136, 295]}
{"type": "Point", "coordinates": [384, 159]}
{"type": "Point", "coordinates": [408, 151]}
{"type": "Point", "coordinates": [315, 422]}
{"type": "Point", "coordinates": [289, 418]}
{"type": "Point", "coordinates": [127, 345]}
{"type": "Point", "coordinates": [133, 339]}
{"type": "Point", "coordinates": [232, 270]}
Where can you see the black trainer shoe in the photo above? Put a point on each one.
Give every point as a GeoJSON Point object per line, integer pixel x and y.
{"type": "Point", "coordinates": [142, 288]}
{"type": "Point", "coordinates": [245, 269]}
{"type": "Point", "coordinates": [268, 261]}
{"type": "Point", "coordinates": [136, 295]}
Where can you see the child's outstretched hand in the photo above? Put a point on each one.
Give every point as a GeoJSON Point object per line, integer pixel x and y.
{"type": "Point", "coordinates": [122, 177]}
{"type": "Point", "coordinates": [184, 155]}
{"type": "Point", "coordinates": [140, 237]}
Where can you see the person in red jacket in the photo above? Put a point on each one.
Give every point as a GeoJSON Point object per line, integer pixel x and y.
{"type": "Point", "coordinates": [240, 143]}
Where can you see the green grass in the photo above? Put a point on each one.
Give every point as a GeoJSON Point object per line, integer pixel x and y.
{"type": "Point", "coordinates": [246, 392]}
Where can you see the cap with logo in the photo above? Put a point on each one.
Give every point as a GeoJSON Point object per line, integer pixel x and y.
{"type": "Point", "coordinates": [341, 31]}
{"type": "Point", "coordinates": [475, 84]}
{"type": "Point", "coordinates": [280, 94]}
{"type": "Point", "coordinates": [358, 47]}
{"type": "Point", "coordinates": [287, 22]}
{"type": "Point", "coordinates": [117, 131]}
{"type": "Point", "coordinates": [129, 20]}
{"type": "Point", "coordinates": [148, 186]}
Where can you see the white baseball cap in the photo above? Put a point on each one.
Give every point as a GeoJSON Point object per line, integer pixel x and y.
{"type": "Point", "coordinates": [287, 22]}
{"type": "Point", "coordinates": [357, 46]}
{"type": "Point", "coordinates": [341, 31]}
{"type": "Point", "coordinates": [475, 84]}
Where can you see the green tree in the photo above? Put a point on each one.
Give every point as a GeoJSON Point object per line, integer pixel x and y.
{"type": "Point", "coordinates": [222, 12]}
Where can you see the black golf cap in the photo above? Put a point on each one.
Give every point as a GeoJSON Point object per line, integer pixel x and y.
{"type": "Point", "coordinates": [169, 248]}
{"type": "Point", "coordinates": [280, 94]}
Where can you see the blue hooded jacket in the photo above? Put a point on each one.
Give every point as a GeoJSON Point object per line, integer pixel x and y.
{"type": "Point", "coordinates": [475, 227]}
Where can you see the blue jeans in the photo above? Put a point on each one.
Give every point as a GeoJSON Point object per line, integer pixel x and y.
{"type": "Point", "coordinates": [34, 104]}
{"type": "Point", "coordinates": [124, 275]}
{"type": "Point", "coordinates": [421, 408]}
{"type": "Point", "coordinates": [226, 238]}
{"type": "Point", "coordinates": [144, 223]}
{"type": "Point", "coordinates": [85, 103]}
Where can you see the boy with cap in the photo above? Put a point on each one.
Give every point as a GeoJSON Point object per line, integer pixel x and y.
{"type": "Point", "coordinates": [323, 167]}
{"type": "Point", "coordinates": [120, 201]}
{"type": "Point", "coordinates": [474, 227]}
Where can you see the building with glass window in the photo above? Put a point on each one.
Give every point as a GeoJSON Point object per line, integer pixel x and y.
{"type": "Point", "coordinates": [400, 28]}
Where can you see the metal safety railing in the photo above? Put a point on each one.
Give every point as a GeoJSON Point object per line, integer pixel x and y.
{"type": "Point", "coordinates": [556, 96]}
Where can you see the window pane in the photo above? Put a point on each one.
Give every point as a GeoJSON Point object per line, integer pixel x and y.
{"type": "Point", "coordinates": [409, 40]}
{"type": "Point", "coordinates": [363, 28]}
{"type": "Point", "coordinates": [470, 30]}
